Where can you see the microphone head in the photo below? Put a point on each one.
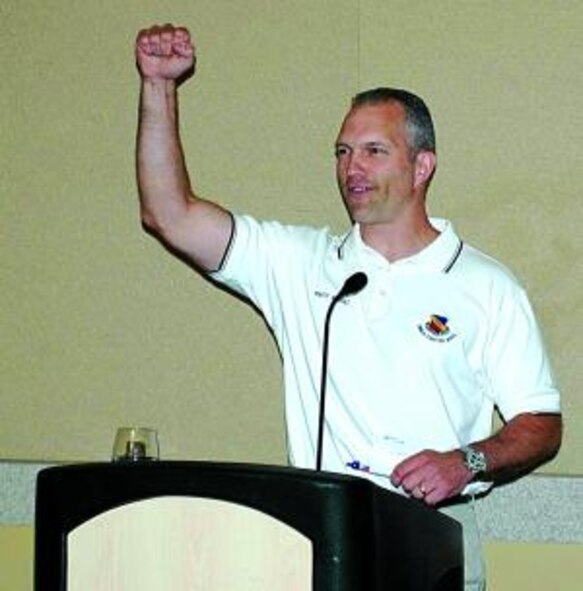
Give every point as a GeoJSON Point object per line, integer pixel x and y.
{"type": "Point", "coordinates": [353, 285]}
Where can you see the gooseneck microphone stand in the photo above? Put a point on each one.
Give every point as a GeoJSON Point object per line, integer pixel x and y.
{"type": "Point", "coordinates": [352, 286]}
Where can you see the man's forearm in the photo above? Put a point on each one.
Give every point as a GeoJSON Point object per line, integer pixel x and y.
{"type": "Point", "coordinates": [163, 181]}
{"type": "Point", "coordinates": [524, 443]}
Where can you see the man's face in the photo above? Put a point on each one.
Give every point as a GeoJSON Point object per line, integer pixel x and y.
{"type": "Point", "coordinates": [374, 166]}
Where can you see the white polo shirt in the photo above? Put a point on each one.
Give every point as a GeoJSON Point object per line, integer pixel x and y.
{"type": "Point", "coordinates": [417, 360]}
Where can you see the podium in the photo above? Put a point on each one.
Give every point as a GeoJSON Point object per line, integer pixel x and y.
{"type": "Point", "coordinates": [235, 527]}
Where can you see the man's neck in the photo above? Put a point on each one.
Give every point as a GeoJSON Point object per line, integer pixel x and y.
{"type": "Point", "coordinates": [395, 241]}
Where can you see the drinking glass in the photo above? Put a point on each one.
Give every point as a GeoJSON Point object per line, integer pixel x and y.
{"type": "Point", "coordinates": [135, 444]}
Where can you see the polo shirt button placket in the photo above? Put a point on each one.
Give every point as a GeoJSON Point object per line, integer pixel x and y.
{"type": "Point", "coordinates": [380, 298]}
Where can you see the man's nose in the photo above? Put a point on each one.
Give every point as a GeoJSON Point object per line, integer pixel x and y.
{"type": "Point", "coordinates": [355, 163]}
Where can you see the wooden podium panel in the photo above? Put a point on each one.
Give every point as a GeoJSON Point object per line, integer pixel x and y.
{"type": "Point", "coordinates": [187, 544]}
{"type": "Point", "coordinates": [233, 527]}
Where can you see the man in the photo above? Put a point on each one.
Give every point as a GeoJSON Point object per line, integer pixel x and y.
{"type": "Point", "coordinates": [440, 336]}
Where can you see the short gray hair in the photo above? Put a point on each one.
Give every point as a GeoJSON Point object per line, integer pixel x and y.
{"type": "Point", "coordinates": [418, 119]}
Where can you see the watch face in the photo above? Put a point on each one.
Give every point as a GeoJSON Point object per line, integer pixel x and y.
{"type": "Point", "coordinates": [475, 460]}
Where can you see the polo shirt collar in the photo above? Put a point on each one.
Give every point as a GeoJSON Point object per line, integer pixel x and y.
{"type": "Point", "coordinates": [439, 256]}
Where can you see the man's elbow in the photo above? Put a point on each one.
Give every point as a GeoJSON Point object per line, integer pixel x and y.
{"type": "Point", "coordinates": [548, 429]}
{"type": "Point", "coordinates": [149, 222]}
{"type": "Point", "coordinates": [556, 436]}
{"type": "Point", "coordinates": [161, 225]}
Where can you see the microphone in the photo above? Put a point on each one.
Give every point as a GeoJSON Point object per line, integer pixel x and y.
{"type": "Point", "coordinates": [354, 284]}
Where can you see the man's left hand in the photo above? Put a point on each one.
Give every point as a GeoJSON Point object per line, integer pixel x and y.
{"type": "Point", "coordinates": [432, 476]}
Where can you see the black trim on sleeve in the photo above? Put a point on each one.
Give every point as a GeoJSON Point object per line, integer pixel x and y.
{"type": "Point", "coordinates": [229, 245]}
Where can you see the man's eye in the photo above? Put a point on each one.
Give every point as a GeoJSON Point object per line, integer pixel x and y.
{"type": "Point", "coordinates": [338, 152]}
{"type": "Point", "coordinates": [375, 150]}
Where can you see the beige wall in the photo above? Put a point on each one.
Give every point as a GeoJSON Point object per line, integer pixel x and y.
{"type": "Point", "coordinates": [99, 327]}
{"type": "Point", "coordinates": [16, 558]}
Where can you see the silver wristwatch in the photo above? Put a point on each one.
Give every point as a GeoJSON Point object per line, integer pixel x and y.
{"type": "Point", "coordinates": [474, 460]}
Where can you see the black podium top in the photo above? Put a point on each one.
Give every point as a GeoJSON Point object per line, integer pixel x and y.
{"type": "Point", "coordinates": [364, 537]}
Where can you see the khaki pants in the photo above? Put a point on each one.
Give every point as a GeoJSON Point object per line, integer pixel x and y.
{"type": "Point", "coordinates": [474, 569]}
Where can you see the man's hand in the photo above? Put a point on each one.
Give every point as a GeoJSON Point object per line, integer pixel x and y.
{"type": "Point", "coordinates": [164, 53]}
{"type": "Point", "coordinates": [432, 476]}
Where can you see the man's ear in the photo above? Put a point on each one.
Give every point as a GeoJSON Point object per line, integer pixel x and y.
{"type": "Point", "coordinates": [425, 163]}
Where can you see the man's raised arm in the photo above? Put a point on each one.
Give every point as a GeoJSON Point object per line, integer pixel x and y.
{"type": "Point", "coordinates": [197, 230]}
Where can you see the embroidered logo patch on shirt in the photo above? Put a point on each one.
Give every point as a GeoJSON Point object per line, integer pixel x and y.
{"type": "Point", "coordinates": [436, 328]}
